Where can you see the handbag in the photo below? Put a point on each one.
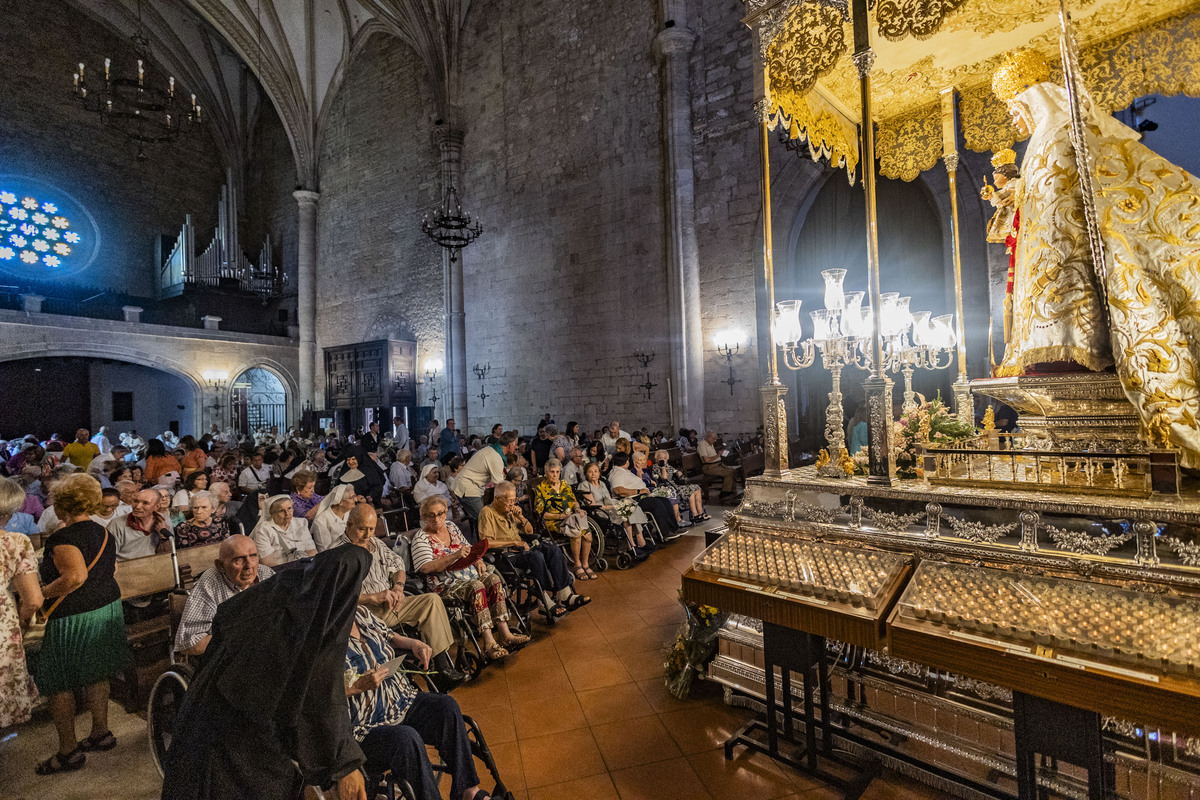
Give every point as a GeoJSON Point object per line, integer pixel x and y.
{"type": "Point", "coordinates": [37, 626]}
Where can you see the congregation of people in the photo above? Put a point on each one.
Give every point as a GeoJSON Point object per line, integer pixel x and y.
{"type": "Point", "coordinates": [546, 506]}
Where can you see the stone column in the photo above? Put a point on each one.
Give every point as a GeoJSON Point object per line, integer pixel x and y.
{"type": "Point", "coordinates": [449, 142]}
{"type": "Point", "coordinates": [673, 46]}
{"type": "Point", "coordinates": [306, 301]}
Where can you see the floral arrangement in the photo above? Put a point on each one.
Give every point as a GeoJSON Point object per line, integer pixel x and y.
{"type": "Point", "coordinates": [931, 423]}
{"type": "Point", "coordinates": [625, 507]}
{"type": "Point", "coordinates": [694, 646]}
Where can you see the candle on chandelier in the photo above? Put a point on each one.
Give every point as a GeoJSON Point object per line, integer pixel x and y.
{"type": "Point", "coordinates": [193, 102]}
{"type": "Point", "coordinates": [171, 85]}
{"type": "Point", "coordinates": [110, 106]}
{"type": "Point", "coordinates": [76, 80]}
{"type": "Point", "coordinates": [107, 64]}
{"type": "Point", "coordinates": [197, 113]}
{"type": "Point", "coordinates": [80, 69]}
{"type": "Point", "coordinates": [141, 72]}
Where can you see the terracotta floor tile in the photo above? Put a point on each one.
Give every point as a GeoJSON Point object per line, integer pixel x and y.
{"type": "Point", "coordinates": [547, 714]}
{"type": "Point", "coordinates": [661, 616]}
{"type": "Point", "coordinates": [598, 672]}
{"type": "Point", "coordinates": [643, 666]}
{"type": "Point", "coordinates": [629, 744]}
{"type": "Point", "coordinates": [651, 598]}
{"type": "Point", "coordinates": [663, 780]}
{"type": "Point", "coordinates": [489, 689]}
{"type": "Point", "coordinates": [533, 657]}
{"type": "Point", "coordinates": [560, 756]}
{"type": "Point", "coordinates": [509, 763]}
{"type": "Point", "coordinates": [574, 650]}
{"type": "Point", "coordinates": [663, 701]}
{"type": "Point", "coordinates": [639, 639]}
{"type": "Point", "coordinates": [613, 703]}
{"type": "Point", "coordinates": [748, 776]}
{"type": "Point", "coordinates": [614, 622]}
{"type": "Point", "coordinates": [496, 722]}
{"type": "Point", "coordinates": [531, 686]}
{"type": "Point", "coordinates": [593, 787]}
{"type": "Point", "coordinates": [576, 625]}
{"type": "Point", "coordinates": [705, 728]}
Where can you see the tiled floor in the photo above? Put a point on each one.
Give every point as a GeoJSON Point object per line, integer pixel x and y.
{"type": "Point", "coordinates": [580, 714]}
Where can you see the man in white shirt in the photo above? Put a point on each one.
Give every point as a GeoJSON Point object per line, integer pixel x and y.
{"type": "Point", "coordinates": [255, 475]}
{"type": "Point", "coordinates": [572, 472]}
{"type": "Point", "coordinates": [486, 466]}
{"type": "Point", "coordinates": [400, 433]}
{"type": "Point", "coordinates": [611, 435]}
{"type": "Point", "coordinates": [101, 440]}
{"type": "Point", "coordinates": [710, 463]}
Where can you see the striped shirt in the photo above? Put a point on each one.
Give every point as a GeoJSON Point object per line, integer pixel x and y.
{"type": "Point", "coordinates": [388, 703]}
{"type": "Point", "coordinates": [426, 549]}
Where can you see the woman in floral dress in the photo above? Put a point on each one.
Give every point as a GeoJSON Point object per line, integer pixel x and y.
{"type": "Point", "coordinates": [18, 572]}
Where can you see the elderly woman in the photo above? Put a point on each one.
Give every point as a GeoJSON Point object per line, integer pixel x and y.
{"type": "Point", "coordinates": [430, 484]}
{"type": "Point", "coordinates": [85, 633]}
{"type": "Point", "coordinates": [203, 527]}
{"type": "Point", "coordinates": [281, 537]}
{"type": "Point", "coordinates": [593, 491]}
{"type": "Point", "coordinates": [18, 574]}
{"type": "Point", "coordinates": [194, 482]}
{"type": "Point", "coordinates": [554, 501]}
{"type": "Point", "coordinates": [640, 467]}
{"type": "Point", "coordinates": [477, 587]}
{"type": "Point", "coordinates": [304, 495]}
{"type": "Point", "coordinates": [329, 523]}
{"type": "Point", "coordinates": [666, 475]}
{"type": "Point", "coordinates": [227, 469]}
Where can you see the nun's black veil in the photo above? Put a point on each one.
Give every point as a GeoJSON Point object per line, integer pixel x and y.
{"type": "Point", "coordinates": [267, 713]}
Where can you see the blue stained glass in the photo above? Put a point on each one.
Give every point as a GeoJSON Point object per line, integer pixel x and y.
{"type": "Point", "coordinates": [40, 246]}
{"type": "Point", "coordinates": [49, 208]}
{"type": "Point", "coordinates": [6, 254]}
{"type": "Point", "coordinates": [8, 198]}
{"type": "Point", "coordinates": [28, 229]}
{"type": "Point", "coordinates": [18, 240]}
{"type": "Point", "coordinates": [29, 257]}
{"type": "Point", "coordinates": [51, 261]}
{"type": "Point", "coordinates": [72, 237]}
{"type": "Point", "coordinates": [43, 228]}
{"type": "Point", "coordinates": [50, 233]}
{"type": "Point", "coordinates": [40, 219]}
{"type": "Point", "coordinates": [29, 203]}
{"type": "Point", "coordinates": [18, 213]}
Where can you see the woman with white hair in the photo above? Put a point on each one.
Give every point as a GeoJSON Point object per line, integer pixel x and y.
{"type": "Point", "coordinates": [281, 537]}
{"type": "Point", "coordinates": [202, 528]}
{"type": "Point", "coordinates": [329, 523]}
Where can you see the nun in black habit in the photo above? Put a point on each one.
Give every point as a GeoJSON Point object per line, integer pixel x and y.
{"type": "Point", "coordinates": [369, 479]}
{"type": "Point", "coordinates": [267, 713]}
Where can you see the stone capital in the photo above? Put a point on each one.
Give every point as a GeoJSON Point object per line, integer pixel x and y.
{"type": "Point", "coordinates": [673, 41]}
{"type": "Point", "coordinates": [306, 197]}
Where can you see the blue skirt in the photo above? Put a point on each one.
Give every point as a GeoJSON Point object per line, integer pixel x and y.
{"type": "Point", "coordinates": [82, 649]}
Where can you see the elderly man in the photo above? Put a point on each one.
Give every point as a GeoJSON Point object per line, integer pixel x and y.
{"type": "Point", "coordinates": [255, 475]}
{"type": "Point", "coordinates": [503, 525]}
{"type": "Point", "coordinates": [611, 435]}
{"type": "Point", "coordinates": [485, 467]}
{"type": "Point", "coordinates": [572, 472]}
{"type": "Point", "coordinates": [383, 593]}
{"type": "Point", "coordinates": [447, 442]}
{"type": "Point", "coordinates": [81, 451]}
{"type": "Point", "coordinates": [143, 530]}
{"type": "Point", "coordinates": [226, 507]}
{"type": "Point", "coordinates": [237, 569]}
{"type": "Point", "coordinates": [625, 484]}
{"type": "Point", "coordinates": [710, 462]}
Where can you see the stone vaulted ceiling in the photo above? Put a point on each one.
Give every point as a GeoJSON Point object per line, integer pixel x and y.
{"type": "Point", "coordinates": [297, 49]}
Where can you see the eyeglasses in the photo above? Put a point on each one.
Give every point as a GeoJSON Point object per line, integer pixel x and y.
{"type": "Point", "coordinates": [434, 514]}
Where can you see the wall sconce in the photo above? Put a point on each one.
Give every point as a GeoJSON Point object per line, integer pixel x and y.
{"type": "Point", "coordinates": [215, 378]}
{"type": "Point", "coordinates": [432, 367]}
{"type": "Point", "coordinates": [729, 344]}
{"type": "Point", "coordinates": [481, 373]}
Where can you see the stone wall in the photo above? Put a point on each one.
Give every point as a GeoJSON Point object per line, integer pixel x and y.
{"type": "Point", "coordinates": [378, 276]}
{"type": "Point", "coordinates": [45, 135]}
{"type": "Point", "coordinates": [270, 209]}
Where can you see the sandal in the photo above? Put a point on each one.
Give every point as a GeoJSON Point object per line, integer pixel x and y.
{"type": "Point", "coordinates": [577, 601]}
{"type": "Point", "coordinates": [102, 743]}
{"type": "Point", "coordinates": [581, 574]}
{"type": "Point", "coordinates": [557, 611]}
{"type": "Point", "coordinates": [705, 517]}
{"type": "Point", "coordinates": [516, 642]}
{"type": "Point", "coordinates": [56, 763]}
{"type": "Point", "coordinates": [591, 576]}
{"type": "Point", "coordinates": [495, 653]}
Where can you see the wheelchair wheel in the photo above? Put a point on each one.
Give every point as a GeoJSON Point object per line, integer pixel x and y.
{"type": "Point", "coordinates": [470, 663]}
{"type": "Point", "coordinates": [165, 699]}
{"type": "Point", "coordinates": [624, 559]}
{"type": "Point", "coordinates": [601, 564]}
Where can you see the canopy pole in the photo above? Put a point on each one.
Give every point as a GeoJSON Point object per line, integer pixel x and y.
{"type": "Point", "coordinates": [877, 387]}
{"type": "Point", "coordinates": [774, 411]}
{"type": "Point", "coordinates": [964, 406]}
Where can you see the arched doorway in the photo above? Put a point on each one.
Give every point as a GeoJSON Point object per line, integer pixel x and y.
{"type": "Point", "coordinates": [259, 400]}
{"type": "Point", "coordinates": [47, 395]}
{"type": "Point", "coordinates": [831, 233]}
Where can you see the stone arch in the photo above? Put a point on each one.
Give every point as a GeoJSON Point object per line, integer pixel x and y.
{"type": "Point", "coordinates": [290, 413]}
{"type": "Point", "coordinates": [17, 351]}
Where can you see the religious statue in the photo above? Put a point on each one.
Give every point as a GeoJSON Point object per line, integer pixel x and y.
{"type": "Point", "coordinates": [822, 459]}
{"type": "Point", "coordinates": [1002, 228]}
{"type": "Point", "coordinates": [1149, 284]}
{"type": "Point", "coordinates": [989, 419]}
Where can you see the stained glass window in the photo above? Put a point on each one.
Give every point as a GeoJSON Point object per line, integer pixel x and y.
{"type": "Point", "coordinates": [32, 231]}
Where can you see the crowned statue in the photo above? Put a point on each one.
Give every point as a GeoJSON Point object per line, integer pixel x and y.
{"type": "Point", "coordinates": [1139, 312]}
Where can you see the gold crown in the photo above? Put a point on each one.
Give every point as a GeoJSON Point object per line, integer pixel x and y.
{"type": "Point", "coordinates": [1020, 70]}
{"type": "Point", "coordinates": [1004, 157]}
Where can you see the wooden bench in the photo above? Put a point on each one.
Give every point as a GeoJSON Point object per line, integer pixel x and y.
{"type": "Point", "coordinates": [693, 468]}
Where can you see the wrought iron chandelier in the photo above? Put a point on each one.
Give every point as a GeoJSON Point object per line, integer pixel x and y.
{"type": "Point", "coordinates": [449, 226]}
{"type": "Point", "coordinates": [141, 108]}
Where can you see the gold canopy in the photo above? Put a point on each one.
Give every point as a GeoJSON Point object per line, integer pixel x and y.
{"type": "Point", "coordinates": [1128, 48]}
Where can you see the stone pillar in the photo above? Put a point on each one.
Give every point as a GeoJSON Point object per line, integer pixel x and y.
{"type": "Point", "coordinates": [32, 303]}
{"type": "Point", "coordinates": [306, 302]}
{"type": "Point", "coordinates": [132, 313]}
{"type": "Point", "coordinates": [449, 142]}
{"type": "Point", "coordinates": [673, 46]}
{"type": "Point", "coordinates": [211, 323]}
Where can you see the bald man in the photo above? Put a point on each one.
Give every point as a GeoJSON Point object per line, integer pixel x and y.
{"type": "Point", "coordinates": [236, 569]}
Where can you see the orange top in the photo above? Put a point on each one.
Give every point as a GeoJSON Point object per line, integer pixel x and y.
{"type": "Point", "coordinates": [157, 466]}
